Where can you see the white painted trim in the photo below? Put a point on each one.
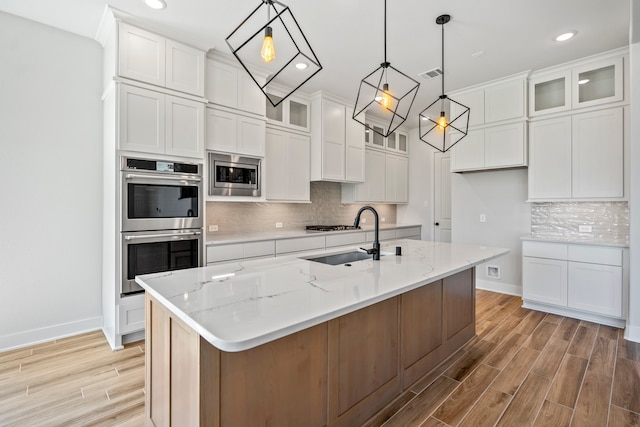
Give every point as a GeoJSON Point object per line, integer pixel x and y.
{"type": "Point", "coordinates": [503, 288]}
{"type": "Point", "coordinates": [632, 333]}
{"type": "Point", "coordinates": [576, 314]}
{"type": "Point", "coordinates": [49, 333]}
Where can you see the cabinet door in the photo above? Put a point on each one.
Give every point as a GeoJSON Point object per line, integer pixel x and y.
{"type": "Point", "coordinates": [251, 134]}
{"type": "Point", "coordinates": [141, 120]}
{"type": "Point", "coordinates": [598, 151]}
{"type": "Point", "coordinates": [396, 179]}
{"type": "Point", "coordinates": [276, 174]}
{"type": "Point", "coordinates": [184, 68]}
{"type": "Point", "coordinates": [354, 154]}
{"type": "Point", "coordinates": [544, 280]}
{"type": "Point", "coordinates": [333, 140]}
{"type": "Point", "coordinates": [222, 130]}
{"type": "Point", "coordinates": [596, 288]}
{"type": "Point", "coordinates": [475, 101]}
{"type": "Point", "coordinates": [505, 146]}
{"type": "Point", "coordinates": [222, 84]}
{"type": "Point", "coordinates": [184, 127]}
{"type": "Point", "coordinates": [504, 101]}
{"type": "Point", "coordinates": [550, 93]}
{"type": "Point", "coordinates": [597, 83]}
{"type": "Point", "coordinates": [250, 97]}
{"type": "Point", "coordinates": [373, 189]}
{"type": "Point", "coordinates": [297, 168]}
{"type": "Point", "coordinates": [468, 154]}
{"type": "Point", "coordinates": [403, 142]}
{"type": "Point", "coordinates": [141, 55]}
{"type": "Point", "coordinates": [550, 159]}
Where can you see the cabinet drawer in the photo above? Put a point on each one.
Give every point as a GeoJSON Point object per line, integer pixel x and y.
{"type": "Point", "coordinates": [259, 249]}
{"type": "Point", "coordinates": [300, 244]}
{"type": "Point", "coordinates": [402, 233]}
{"type": "Point", "coordinates": [596, 255]}
{"type": "Point", "coordinates": [545, 250]}
{"type": "Point", "coordinates": [384, 235]}
{"type": "Point", "coordinates": [344, 239]}
{"type": "Point", "coordinates": [224, 252]}
{"type": "Point", "coordinates": [131, 314]}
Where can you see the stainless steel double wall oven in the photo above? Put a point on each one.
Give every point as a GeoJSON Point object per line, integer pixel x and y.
{"type": "Point", "coordinates": [161, 218]}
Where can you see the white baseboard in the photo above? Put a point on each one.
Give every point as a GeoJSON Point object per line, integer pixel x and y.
{"type": "Point", "coordinates": [576, 314]}
{"type": "Point", "coordinates": [503, 288]}
{"type": "Point", "coordinates": [632, 333]}
{"type": "Point", "coordinates": [49, 333]}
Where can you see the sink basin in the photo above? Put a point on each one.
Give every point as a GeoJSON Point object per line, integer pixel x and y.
{"type": "Point", "coordinates": [343, 258]}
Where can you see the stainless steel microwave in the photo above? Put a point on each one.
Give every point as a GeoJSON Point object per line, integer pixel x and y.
{"type": "Point", "coordinates": [233, 175]}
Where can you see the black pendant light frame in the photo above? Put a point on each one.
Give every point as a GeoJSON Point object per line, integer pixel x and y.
{"type": "Point", "coordinates": [378, 85]}
{"type": "Point", "coordinates": [279, 17]}
{"type": "Point", "coordinates": [460, 123]}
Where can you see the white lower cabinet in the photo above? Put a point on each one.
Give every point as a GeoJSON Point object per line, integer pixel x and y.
{"type": "Point", "coordinates": [287, 166]}
{"type": "Point", "coordinates": [131, 314]}
{"type": "Point", "coordinates": [582, 281]}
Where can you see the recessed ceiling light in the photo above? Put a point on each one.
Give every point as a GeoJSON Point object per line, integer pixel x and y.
{"type": "Point", "coordinates": [378, 98]}
{"type": "Point", "coordinates": [301, 65]}
{"type": "Point", "coordinates": [156, 4]}
{"type": "Point", "coordinates": [583, 81]}
{"type": "Point", "coordinates": [565, 36]}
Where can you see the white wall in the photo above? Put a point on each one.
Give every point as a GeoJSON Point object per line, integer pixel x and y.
{"type": "Point", "coordinates": [501, 196]}
{"type": "Point", "coordinates": [419, 210]}
{"type": "Point", "coordinates": [632, 331]}
{"type": "Point", "coordinates": [51, 182]}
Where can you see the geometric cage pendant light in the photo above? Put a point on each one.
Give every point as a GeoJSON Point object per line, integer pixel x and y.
{"type": "Point", "coordinates": [277, 46]}
{"type": "Point", "coordinates": [445, 121]}
{"type": "Point", "coordinates": [385, 94]}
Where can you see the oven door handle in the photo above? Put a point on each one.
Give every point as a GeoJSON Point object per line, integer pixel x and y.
{"type": "Point", "coordinates": [172, 178]}
{"type": "Point", "coordinates": [151, 236]}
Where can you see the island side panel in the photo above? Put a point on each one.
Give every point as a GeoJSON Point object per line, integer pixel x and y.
{"type": "Point", "coordinates": [423, 345]}
{"type": "Point", "coordinates": [459, 301]}
{"type": "Point", "coordinates": [209, 384]}
{"type": "Point", "coordinates": [281, 383]}
{"type": "Point", "coordinates": [363, 363]}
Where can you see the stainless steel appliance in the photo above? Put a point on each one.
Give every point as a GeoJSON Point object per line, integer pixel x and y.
{"type": "Point", "coordinates": [145, 252]}
{"type": "Point", "coordinates": [161, 219]}
{"type": "Point", "coordinates": [159, 195]}
{"type": "Point", "coordinates": [232, 175]}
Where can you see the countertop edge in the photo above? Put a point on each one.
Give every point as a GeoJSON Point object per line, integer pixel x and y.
{"type": "Point", "coordinates": [571, 241]}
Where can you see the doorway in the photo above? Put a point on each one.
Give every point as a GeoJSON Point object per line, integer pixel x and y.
{"type": "Point", "coordinates": [442, 197]}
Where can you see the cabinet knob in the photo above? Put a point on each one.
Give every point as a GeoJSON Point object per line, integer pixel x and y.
{"type": "Point", "coordinates": [437, 224]}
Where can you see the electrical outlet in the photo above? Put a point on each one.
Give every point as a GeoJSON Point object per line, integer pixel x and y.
{"type": "Point", "coordinates": [278, 225]}
{"type": "Point", "coordinates": [585, 229]}
{"type": "Point", "coordinates": [383, 219]}
{"type": "Point", "coordinates": [213, 228]}
{"type": "Point", "coordinates": [483, 218]}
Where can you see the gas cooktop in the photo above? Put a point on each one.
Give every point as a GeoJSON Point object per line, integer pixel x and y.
{"type": "Point", "coordinates": [331, 227]}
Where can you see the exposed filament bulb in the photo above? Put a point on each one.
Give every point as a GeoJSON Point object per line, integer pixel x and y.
{"type": "Point", "coordinates": [268, 51]}
{"type": "Point", "coordinates": [386, 99]}
{"type": "Point", "coordinates": [442, 122]}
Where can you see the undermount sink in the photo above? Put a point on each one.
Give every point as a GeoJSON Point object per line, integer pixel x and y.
{"type": "Point", "coordinates": [343, 258]}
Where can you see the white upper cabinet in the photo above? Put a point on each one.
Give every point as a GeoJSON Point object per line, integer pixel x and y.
{"type": "Point", "coordinates": [337, 143]}
{"type": "Point", "coordinates": [287, 166]}
{"type": "Point", "coordinates": [152, 122]}
{"type": "Point", "coordinates": [468, 154]}
{"type": "Point", "coordinates": [505, 101]}
{"type": "Point", "coordinates": [580, 84]}
{"type": "Point", "coordinates": [235, 133]}
{"type": "Point", "coordinates": [386, 180]}
{"type": "Point", "coordinates": [153, 59]}
{"type": "Point", "coordinates": [293, 113]}
{"type": "Point", "coordinates": [474, 100]}
{"type": "Point", "coordinates": [578, 157]}
{"type": "Point", "coordinates": [230, 86]}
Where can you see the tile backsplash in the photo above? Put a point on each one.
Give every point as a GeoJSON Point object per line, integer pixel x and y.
{"type": "Point", "coordinates": [325, 208]}
{"type": "Point", "coordinates": [609, 220]}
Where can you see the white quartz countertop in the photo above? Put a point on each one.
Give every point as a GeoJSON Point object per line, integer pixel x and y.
{"type": "Point", "coordinates": [240, 305]}
{"type": "Point", "coordinates": [217, 238]}
{"type": "Point", "coordinates": [576, 241]}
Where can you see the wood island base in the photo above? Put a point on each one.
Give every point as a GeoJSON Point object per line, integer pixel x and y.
{"type": "Point", "coordinates": [338, 373]}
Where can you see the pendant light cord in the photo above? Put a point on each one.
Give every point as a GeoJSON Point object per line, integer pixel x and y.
{"type": "Point", "coordinates": [442, 25]}
{"type": "Point", "coordinates": [385, 31]}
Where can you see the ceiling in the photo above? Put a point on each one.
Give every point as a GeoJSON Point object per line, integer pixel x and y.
{"type": "Point", "coordinates": [347, 35]}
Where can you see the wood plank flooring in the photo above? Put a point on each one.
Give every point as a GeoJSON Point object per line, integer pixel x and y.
{"type": "Point", "coordinates": [524, 368]}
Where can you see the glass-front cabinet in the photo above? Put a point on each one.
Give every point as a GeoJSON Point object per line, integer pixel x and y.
{"type": "Point", "coordinates": [371, 136]}
{"type": "Point", "coordinates": [397, 141]}
{"type": "Point", "coordinates": [292, 112]}
{"type": "Point", "coordinates": [580, 86]}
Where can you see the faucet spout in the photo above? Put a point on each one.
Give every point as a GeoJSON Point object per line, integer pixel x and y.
{"type": "Point", "coordinates": [376, 242]}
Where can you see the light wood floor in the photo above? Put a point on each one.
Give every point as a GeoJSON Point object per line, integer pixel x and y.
{"type": "Point", "coordinates": [524, 368]}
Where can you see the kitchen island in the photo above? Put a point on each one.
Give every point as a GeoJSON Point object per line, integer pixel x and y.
{"type": "Point", "coordinates": [289, 341]}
